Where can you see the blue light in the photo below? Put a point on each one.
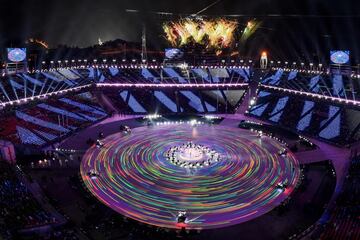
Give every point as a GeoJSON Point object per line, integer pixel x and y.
{"type": "Point", "coordinates": [339, 57]}
{"type": "Point", "coordinates": [16, 54]}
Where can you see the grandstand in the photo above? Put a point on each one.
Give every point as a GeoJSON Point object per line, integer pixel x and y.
{"type": "Point", "coordinates": [332, 119]}
{"type": "Point", "coordinates": [44, 108]}
{"type": "Point", "coordinates": [216, 125]}
{"type": "Point", "coordinates": [56, 112]}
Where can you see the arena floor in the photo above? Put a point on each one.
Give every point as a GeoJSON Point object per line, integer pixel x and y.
{"type": "Point", "coordinates": [137, 180]}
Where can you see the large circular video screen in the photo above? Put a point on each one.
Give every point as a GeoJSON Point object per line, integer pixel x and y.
{"type": "Point", "coordinates": [16, 54]}
{"type": "Point", "coordinates": [339, 57]}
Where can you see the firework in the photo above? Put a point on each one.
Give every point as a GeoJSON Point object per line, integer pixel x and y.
{"type": "Point", "coordinates": [216, 34]}
{"type": "Point", "coordinates": [249, 30]}
{"type": "Point", "coordinates": [170, 34]}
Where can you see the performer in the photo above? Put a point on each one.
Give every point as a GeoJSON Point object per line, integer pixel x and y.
{"type": "Point", "coordinates": [181, 217]}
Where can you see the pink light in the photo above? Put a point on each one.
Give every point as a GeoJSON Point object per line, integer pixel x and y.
{"type": "Point", "coordinates": [314, 95]}
{"type": "Point", "coordinates": [170, 85]}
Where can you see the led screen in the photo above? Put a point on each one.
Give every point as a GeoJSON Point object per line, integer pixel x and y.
{"type": "Point", "coordinates": [16, 54]}
{"type": "Point", "coordinates": [173, 53]}
{"type": "Point", "coordinates": [340, 57]}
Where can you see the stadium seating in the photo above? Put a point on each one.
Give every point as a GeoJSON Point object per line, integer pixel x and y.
{"type": "Point", "coordinates": [25, 85]}
{"type": "Point", "coordinates": [333, 85]}
{"type": "Point", "coordinates": [334, 123]}
{"type": "Point", "coordinates": [18, 208]}
{"type": "Point", "coordinates": [43, 123]}
{"type": "Point", "coordinates": [344, 222]}
{"type": "Point", "coordinates": [174, 101]}
{"type": "Point", "coordinates": [174, 75]}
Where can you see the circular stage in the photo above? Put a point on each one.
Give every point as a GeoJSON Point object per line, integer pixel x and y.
{"type": "Point", "coordinates": [132, 175]}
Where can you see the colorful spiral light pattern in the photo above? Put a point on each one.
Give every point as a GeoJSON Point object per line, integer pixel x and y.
{"type": "Point", "coordinates": [136, 180]}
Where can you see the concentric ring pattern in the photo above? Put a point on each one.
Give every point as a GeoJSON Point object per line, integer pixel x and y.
{"type": "Point", "coordinates": [137, 181]}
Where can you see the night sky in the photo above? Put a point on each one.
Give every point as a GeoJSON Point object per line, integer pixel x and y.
{"type": "Point", "coordinates": [333, 23]}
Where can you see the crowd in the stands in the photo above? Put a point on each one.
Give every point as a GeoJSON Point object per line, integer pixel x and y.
{"type": "Point", "coordinates": [43, 123]}
{"type": "Point", "coordinates": [173, 75]}
{"type": "Point", "coordinates": [344, 222]}
{"type": "Point", "coordinates": [330, 122]}
{"type": "Point", "coordinates": [19, 210]}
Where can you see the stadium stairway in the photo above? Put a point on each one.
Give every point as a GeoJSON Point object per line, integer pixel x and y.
{"type": "Point", "coordinates": [244, 105]}
{"type": "Point", "coordinates": [105, 102]}
{"type": "Point", "coordinates": [250, 93]}
{"type": "Point", "coordinates": [38, 194]}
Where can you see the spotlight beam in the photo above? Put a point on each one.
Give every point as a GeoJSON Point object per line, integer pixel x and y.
{"type": "Point", "coordinates": [206, 8]}
{"type": "Point", "coordinates": [241, 15]}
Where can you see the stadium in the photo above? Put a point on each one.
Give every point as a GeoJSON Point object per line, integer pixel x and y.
{"type": "Point", "coordinates": [207, 120]}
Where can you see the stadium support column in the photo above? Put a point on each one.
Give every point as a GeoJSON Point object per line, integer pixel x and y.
{"type": "Point", "coordinates": [7, 152]}
{"type": "Point", "coordinates": [143, 45]}
{"type": "Point", "coordinates": [96, 75]}
{"type": "Point", "coordinates": [154, 105]}
{"type": "Point", "coordinates": [202, 102]}
{"type": "Point", "coordinates": [177, 101]}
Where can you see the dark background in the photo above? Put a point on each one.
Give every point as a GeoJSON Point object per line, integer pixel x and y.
{"type": "Point", "coordinates": [291, 28]}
